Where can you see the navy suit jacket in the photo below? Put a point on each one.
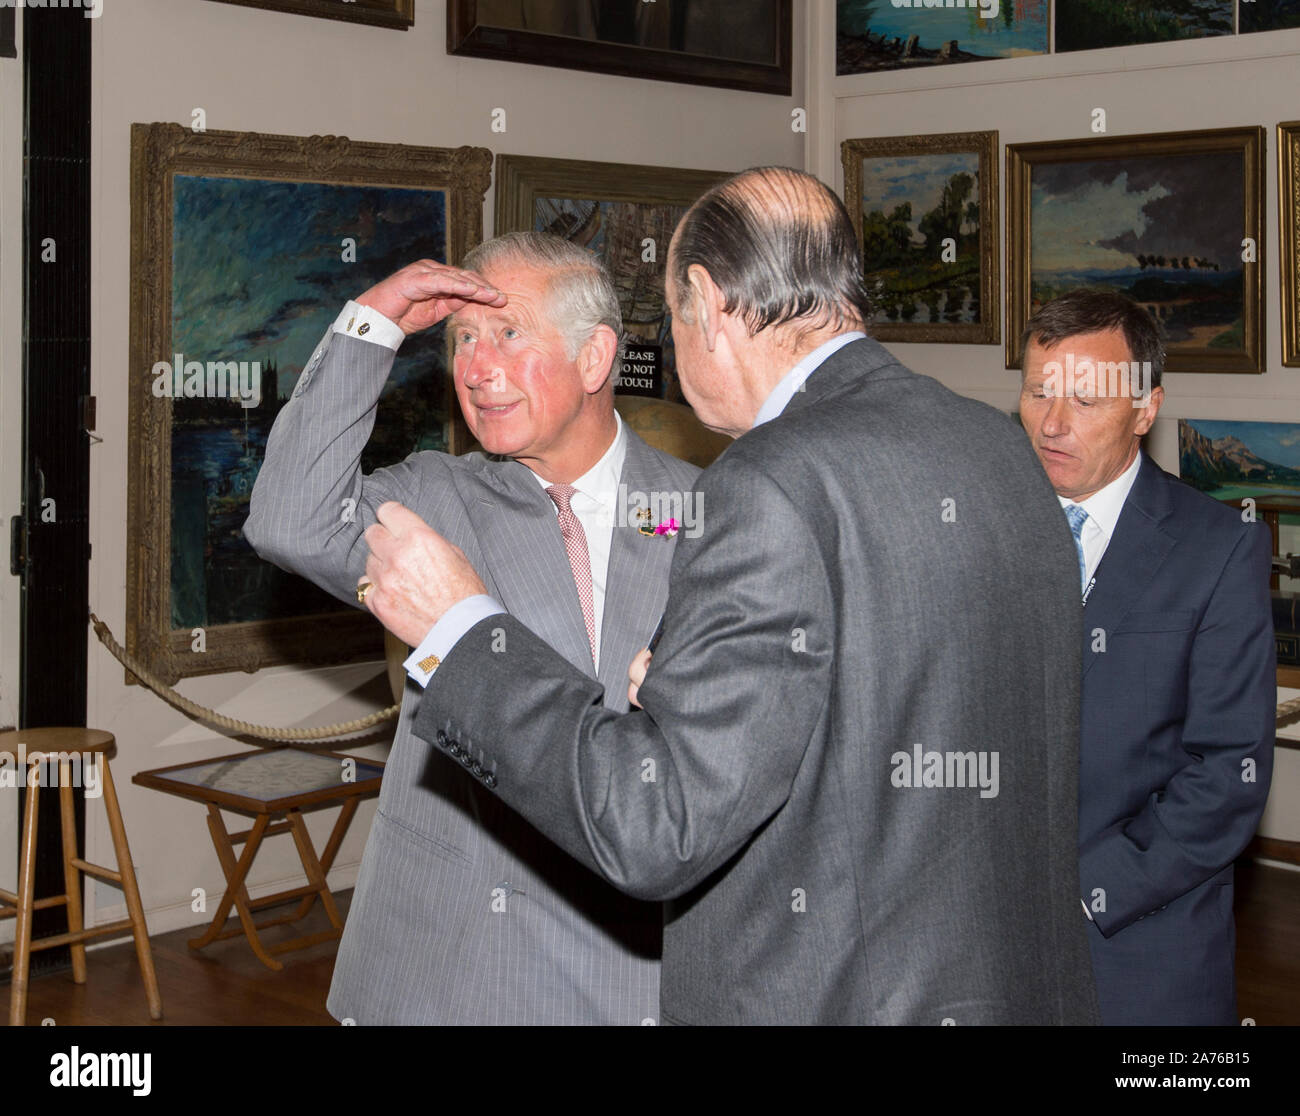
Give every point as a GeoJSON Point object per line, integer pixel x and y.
{"type": "Point", "coordinates": [1179, 693]}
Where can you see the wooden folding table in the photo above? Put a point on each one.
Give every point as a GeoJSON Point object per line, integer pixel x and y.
{"type": "Point", "coordinates": [265, 784]}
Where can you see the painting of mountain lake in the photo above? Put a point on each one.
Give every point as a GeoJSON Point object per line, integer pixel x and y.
{"type": "Point", "coordinates": [1268, 15]}
{"type": "Point", "coordinates": [260, 270]}
{"type": "Point", "coordinates": [875, 35]}
{"type": "Point", "coordinates": [1090, 24]}
{"type": "Point", "coordinates": [926, 212]}
{"type": "Point", "coordinates": [1232, 460]}
{"type": "Point", "coordinates": [1174, 221]}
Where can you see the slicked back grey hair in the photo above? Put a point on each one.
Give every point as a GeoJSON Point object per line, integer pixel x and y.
{"type": "Point", "coordinates": [580, 293]}
{"type": "Point", "coordinates": [781, 248]}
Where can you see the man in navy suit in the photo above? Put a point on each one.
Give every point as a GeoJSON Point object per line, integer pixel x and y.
{"type": "Point", "coordinates": [1179, 682]}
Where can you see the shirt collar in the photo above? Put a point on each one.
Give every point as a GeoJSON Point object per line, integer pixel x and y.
{"type": "Point", "coordinates": [600, 482]}
{"type": "Point", "coordinates": [793, 380]}
{"type": "Point", "coordinates": [1104, 505]}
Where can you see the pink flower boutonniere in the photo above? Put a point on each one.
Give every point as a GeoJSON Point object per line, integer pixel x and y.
{"type": "Point", "coordinates": [668, 527]}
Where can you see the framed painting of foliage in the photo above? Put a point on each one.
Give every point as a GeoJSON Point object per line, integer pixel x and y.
{"type": "Point", "coordinates": [926, 213]}
{"type": "Point", "coordinates": [1092, 24]}
{"type": "Point", "coordinates": [1174, 220]}
{"type": "Point", "coordinates": [1267, 15]}
{"type": "Point", "coordinates": [244, 249]}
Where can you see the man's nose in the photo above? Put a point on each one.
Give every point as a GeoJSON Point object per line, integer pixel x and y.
{"type": "Point", "coordinates": [1057, 420]}
{"type": "Point", "coordinates": [479, 364]}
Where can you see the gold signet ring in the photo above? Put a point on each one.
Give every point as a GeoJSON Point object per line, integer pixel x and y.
{"type": "Point", "coordinates": [362, 590]}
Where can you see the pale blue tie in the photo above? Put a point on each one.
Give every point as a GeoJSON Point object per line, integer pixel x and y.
{"type": "Point", "coordinates": [1077, 517]}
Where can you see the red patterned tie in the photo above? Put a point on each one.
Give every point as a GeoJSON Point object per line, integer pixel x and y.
{"type": "Point", "coordinates": [575, 543]}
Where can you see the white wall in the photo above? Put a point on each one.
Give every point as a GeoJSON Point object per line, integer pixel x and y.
{"type": "Point", "coordinates": [263, 71]}
{"type": "Point", "coordinates": [1213, 83]}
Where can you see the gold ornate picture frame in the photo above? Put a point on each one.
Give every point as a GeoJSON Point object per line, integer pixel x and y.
{"type": "Point", "coordinates": [1288, 215]}
{"type": "Point", "coordinates": [1175, 220]}
{"type": "Point", "coordinates": [244, 248]}
{"type": "Point", "coordinates": [925, 209]}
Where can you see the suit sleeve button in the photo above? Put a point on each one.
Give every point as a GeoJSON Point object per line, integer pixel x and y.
{"type": "Point", "coordinates": [490, 781]}
{"type": "Point", "coordinates": [442, 737]}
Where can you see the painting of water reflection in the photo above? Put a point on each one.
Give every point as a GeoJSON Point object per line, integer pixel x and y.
{"type": "Point", "coordinates": [926, 212]}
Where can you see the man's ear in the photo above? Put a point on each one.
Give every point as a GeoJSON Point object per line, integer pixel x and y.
{"type": "Point", "coordinates": [596, 359]}
{"type": "Point", "coordinates": [707, 302]}
{"type": "Point", "coordinates": [1148, 416]}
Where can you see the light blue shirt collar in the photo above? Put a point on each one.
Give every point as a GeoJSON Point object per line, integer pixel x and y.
{"type": "Point", "coordinates": [793, 380]}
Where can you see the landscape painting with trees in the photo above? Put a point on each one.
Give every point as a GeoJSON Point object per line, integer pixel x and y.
{"type": "Point", "coordinates": [927, 222]}
{"type": "Point", "coordinates": [1090, 24]}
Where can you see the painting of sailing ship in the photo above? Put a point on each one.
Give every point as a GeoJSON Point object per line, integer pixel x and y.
{"type": "Point", "coordinates": [260, 270]}
{"type": "Point", "coordinates": [877, 35]}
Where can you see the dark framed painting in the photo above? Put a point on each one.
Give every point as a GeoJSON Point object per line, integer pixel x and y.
{"type": "Point", "coordinates": [876, 35]}
{"type": "Point", "coordinates": [1092, 24]}
{"type": "Point", "coordinates": [1267, 15]}
{"type": "Point", "coordinates": [397, 14]}
{"type": "Point", "coordinates": [926, 213]}
{"type": "Point", "coordinates": [626, 215]}
{"type": "Point", "coordinates": [702, 42]}
{"type": "Point", "coordinates": [1174, 220]}
{"type": "Point", "coordinates": [1288, 205]}
{"type": "Point", "coordinates": [245, 247]}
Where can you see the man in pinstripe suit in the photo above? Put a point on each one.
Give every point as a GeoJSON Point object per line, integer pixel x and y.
{"type": "Point", "coordinates": [463, 913]}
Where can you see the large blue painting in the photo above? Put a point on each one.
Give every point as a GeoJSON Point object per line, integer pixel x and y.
{"type": "Point", "coordinates": [260, 269]}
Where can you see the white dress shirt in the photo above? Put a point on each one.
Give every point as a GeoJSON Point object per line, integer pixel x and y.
{"type": "Point", "coordinates": [1103, 508]}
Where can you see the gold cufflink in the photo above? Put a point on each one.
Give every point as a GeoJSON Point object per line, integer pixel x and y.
{"type": "Point", "coordinates": [430, 664]}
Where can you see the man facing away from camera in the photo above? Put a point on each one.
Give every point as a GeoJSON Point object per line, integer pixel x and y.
{"type": "Point", "coordinates": [854, 775]}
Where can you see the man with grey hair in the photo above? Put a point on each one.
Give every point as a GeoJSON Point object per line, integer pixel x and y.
{"type": "Point", "coordinates": [855, 771]}
{"type": "Point", "coordinates": [462, 912]}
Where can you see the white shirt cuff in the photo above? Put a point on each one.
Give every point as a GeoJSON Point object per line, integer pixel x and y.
{"type": "Point", "coordinates": [1086, 911]}
{"type": "Point", "coordinates": [446, 633]}
{"type": "Point", "coordinates": [368, 324]}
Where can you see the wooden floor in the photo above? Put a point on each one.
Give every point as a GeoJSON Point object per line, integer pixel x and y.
{"type": "Point", "coordinates": [226, 985]}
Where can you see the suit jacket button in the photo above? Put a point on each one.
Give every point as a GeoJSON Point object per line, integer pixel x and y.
{"type": "Point", "coordinates": [477, 768]}
{"type": "Point", "coordinates": [490, 781]}
{"type": "Point", "coordinates": [442, 737]}
{"type": "Point", "coordinates": [453, 747]}
{"type": "Point", "coordinates": [466, 758]}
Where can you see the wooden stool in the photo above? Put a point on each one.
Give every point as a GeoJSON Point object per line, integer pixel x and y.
{"type": "Point", "coordinates": [30, 747]}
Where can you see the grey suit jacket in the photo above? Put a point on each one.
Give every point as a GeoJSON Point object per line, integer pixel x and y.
{"type": "Point", "coordinates": [462, 912]}
{"type": "Point", "coordinates": [884, 576]}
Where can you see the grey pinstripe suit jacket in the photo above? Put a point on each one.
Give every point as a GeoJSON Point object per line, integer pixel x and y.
{"type": "Point", "coordinates": [463, 913]}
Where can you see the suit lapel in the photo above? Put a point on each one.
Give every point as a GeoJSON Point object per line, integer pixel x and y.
{"type": "Point", "coordinates": [515, 523]}
{"type": "Point", "coordinates": [636, 587]}
{"type": "Point", "coordinates": [1137, 549]}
